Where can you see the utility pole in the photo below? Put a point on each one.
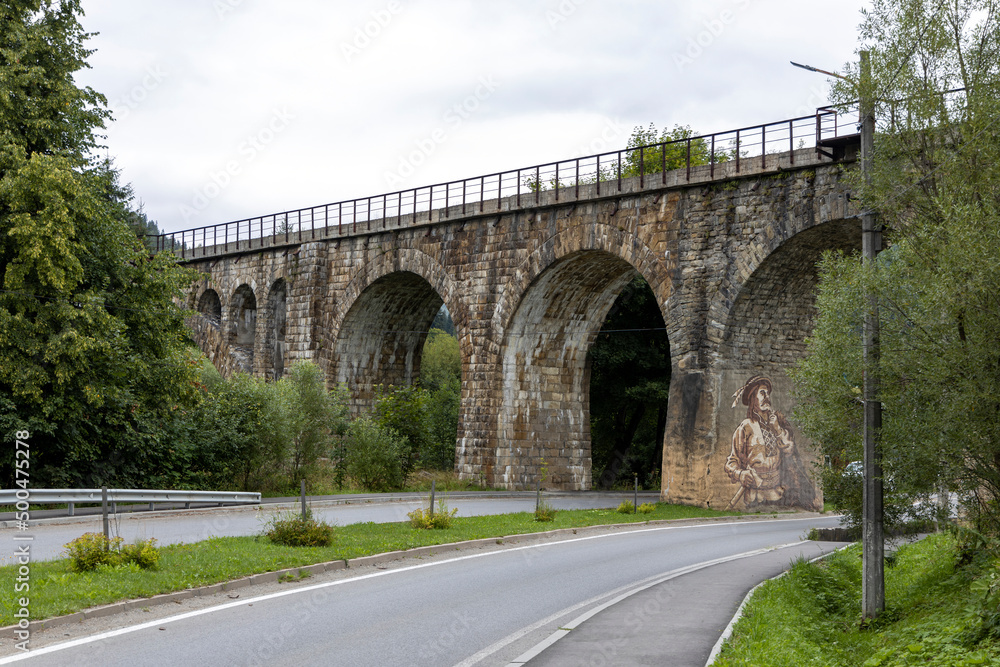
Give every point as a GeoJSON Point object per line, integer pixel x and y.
{"type": "Point", "coordinates": [872, 536]}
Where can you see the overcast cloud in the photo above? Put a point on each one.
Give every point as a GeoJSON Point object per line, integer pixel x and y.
{"type": "Point", "coordinates": [227, 109]}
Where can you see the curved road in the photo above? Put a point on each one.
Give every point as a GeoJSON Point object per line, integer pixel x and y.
{"type": "Point", "coordinates": [481, 607]}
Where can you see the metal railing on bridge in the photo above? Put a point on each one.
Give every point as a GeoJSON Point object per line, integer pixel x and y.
{"type": "Point", "coordinates": [754, 144]}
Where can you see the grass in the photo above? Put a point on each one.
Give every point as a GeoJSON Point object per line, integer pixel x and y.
{"type": "Point", "coordinates": [812, 615]}
{"type": "Point", "coordinates": [56, 589]}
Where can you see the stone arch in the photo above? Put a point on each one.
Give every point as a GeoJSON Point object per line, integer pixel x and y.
{"type": "Point", "coordinates": [765, 335]}
{"type": "Point", "coordinates": [274, 349]}
{"type": "Point", "coordinates": [572, 282]}
{"type": "Point", "coordinates": [774, 306]}
{"type": "Point", "coordinates": [242, 327]}
{"type": "Point", "coordinates": [210, 307]}
{"type": "Point", "coordinates": [381, 322]}
{"type": "Point", "coordinates": [598, 237]}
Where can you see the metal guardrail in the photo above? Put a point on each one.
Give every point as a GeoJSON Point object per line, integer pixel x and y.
{"type": "Point", "coordinates": [73, 496]}
{"type": "Point", "coordinates": [483, 194]}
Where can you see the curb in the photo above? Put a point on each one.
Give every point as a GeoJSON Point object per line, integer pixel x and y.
{"type": "Point", "coordinates": [362, 561]}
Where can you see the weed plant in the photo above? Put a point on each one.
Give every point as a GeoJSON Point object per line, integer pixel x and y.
{"type": "Point", "coordinates": [299, 531]}
{"type": "Point", "coordinates": [626, 507]}
{"type": "Point", "coordinates": [425, 519]}
{"type": "Point", "coordinates": [93, 550]}
{"type": "Point", "coordinates": [544, 511]}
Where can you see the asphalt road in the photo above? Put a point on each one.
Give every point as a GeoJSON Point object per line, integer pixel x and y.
{"type": "Point", "coordinates": [477, 608]}
{"type": "Point", "coordinates": [195, 525]}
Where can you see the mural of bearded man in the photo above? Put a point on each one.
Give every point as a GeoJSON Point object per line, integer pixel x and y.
{"type": "Point", "coordinates": [764, 461]}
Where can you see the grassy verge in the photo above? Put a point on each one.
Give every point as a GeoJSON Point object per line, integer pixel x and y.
{"type": "Point", "coordinates": [57, 590]}
{"type": "Point", "coordinates": [812, 615]}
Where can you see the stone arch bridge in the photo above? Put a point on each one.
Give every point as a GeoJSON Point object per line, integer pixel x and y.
{"type": "Point", "coordinates": [528, 273]}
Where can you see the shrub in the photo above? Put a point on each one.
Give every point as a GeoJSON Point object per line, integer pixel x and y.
{"type": "Point", "coordinates": [646, 508]}
{"type": "Point", "coordinates": [627, 507]}
{"type": "Point", "coordinates": [142, 553]}
{"type": "Point", "coordinates": [299, 532]}
{"type": "Point", "coordinates": [545, 512]}
{"type": "Point", "coordinates": [374, 456]}
{"type": "Point", "coordinates": [423, 518]}
{"type": "Point", "coordinates": [93, 550]}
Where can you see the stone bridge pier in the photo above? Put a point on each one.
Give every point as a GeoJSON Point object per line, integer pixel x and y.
{"type": "Point", "coordinates": [729, 256]}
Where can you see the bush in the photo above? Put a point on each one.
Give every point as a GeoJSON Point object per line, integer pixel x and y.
{"type": "Point", "coordinates": [142, 553]}
{"type": "Point", "coordinates": [545, 512]}
{"type": "Point", "coordinates": [374, 456]}
{"type": "Point", "coordinates": [627, 507]}
{"type": "Point", "coordinates": [646, 508]}
{"type": "Point", "coordinates": [93, 550]}
{"type": "Point", "coordinates": [423, 518]}
{"type": "Point", "coordinates": [299, 532]}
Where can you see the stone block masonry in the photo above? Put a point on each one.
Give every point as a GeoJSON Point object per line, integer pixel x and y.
{"type": "Point", "coordinates": [730, 258]}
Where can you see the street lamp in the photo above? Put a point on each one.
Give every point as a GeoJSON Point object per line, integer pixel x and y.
{"type": "Point", "coordinates": [872, 534]}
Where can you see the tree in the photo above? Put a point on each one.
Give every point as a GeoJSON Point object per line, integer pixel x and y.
{"type": "Point", "coordinates": [679, 147]}
{"type": "Point", "coordinates": [375, 455]}
{"type": "Point", "coordinates": [92, 346]}
{"type": "Point", "coordinates": [629, 386]}
{"type": "Point", "coordinates": [441, 377]}
{"type": "Point", "coordinates": [311, 416]}
{"type": "Point", "coordinates": [240, 440]}
{"type": "Point", "coordinates": [935, 188]}
{"type": "Point", "coordinates": [403, 410]}
{"type": "Point", "coordinates": [441, 360]}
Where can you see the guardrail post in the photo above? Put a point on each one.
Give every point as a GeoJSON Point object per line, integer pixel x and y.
{"type": "Point", "coordinates": [433, 483]}
{"type": "Point", "coordinates": [303, 491]}
{"type": "Point", "coordinates": [72, 509]}
{"type": "Point", "coordinates": [104, 512]}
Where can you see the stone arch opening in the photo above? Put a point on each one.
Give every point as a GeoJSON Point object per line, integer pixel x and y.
{"type": "Point", "coordinates": [210, 307]}
{"type": "Point", "coordinates": [630, 370]}
{"type": "Point", "coordinates": [243, 327]}
{"type": "Point", "coordinates": [381, 337]}
{"type": "Point", "coordinates": [544, 417]}
{"type": "Point", "coordinates": [274, 333]}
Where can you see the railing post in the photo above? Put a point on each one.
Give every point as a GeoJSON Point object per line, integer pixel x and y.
{"type": "Point", "coordinates": [642, 169]}
{"type": "Point", "coordinates": [711, 168]}
{"type": "Point", "coordinates": [791, 141]}
{"type": "Point", "coordinates": [763, 147]}
{"type": "Point", "coordinates": [538, 182]}
{"type": "Point", "coordinates": [688, 160]}
{"type": "Point", "coordinates": [737, 151]}
{"type": "Point", "coordinates": [557, 181]}
{"type": "Point", "coordinates": [598, 175]}
{"type": "Point", "coordinates": [619, 171]}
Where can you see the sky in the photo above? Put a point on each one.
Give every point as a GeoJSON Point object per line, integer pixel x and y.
{"type": "Point", "coordinates": [229, 109]}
